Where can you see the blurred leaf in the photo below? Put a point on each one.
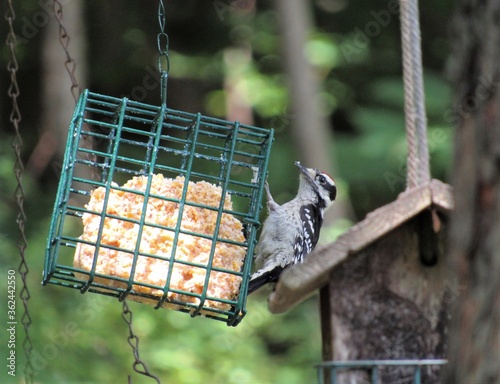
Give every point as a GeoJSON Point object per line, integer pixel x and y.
{"type": "Point", "coordinates": [322, 51]}
{"type": "Point", "coordinates": [390, 91]}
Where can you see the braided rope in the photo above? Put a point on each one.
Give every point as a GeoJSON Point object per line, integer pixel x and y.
{"type": "Point", "coordinates": [416, 122]}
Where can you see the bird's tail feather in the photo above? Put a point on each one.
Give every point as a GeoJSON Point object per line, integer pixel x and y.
{"type": "Point", "coordinates": [263, 277]}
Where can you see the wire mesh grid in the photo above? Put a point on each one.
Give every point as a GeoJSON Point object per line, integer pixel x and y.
{"type": "Point", "coordinates": [137, 152]}
{"type": "Point", "coordinates": [380, 371]}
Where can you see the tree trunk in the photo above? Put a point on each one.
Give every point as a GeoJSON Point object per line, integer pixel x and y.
{"type": "Point", "coordinates": [475, 229]}
{"type": "Point", "coordinates": [310, 130]}
{"type": "Point", "coordinates": [237, 59]}
{"type": "Point", "coordinates": [57, 101]}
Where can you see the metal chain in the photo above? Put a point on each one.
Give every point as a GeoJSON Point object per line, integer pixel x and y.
{"type": "Point", "coordinates": [70, 65]}
{"type": "Point", "coordinates": [163, 60]}
{"type": "Point", "coordinates": [17, 144]}
{"type": "Point", "coordinates": [416, 119]}
{"type": "Point", "coordinates": [64, 39]}
{"type": "Point", "coordinates": [139, 366]}
{"type": "Point", "coordinates": [163, 45]}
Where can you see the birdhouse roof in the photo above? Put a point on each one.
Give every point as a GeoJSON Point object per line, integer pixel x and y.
{"type": "Point", "coordinates": [301, 280]}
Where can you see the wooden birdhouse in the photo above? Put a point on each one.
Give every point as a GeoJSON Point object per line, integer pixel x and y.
{"type": "Point", "coordinates": [383, 291]}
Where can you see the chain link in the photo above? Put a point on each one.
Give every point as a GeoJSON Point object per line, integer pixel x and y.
{"type": "Point", "coordinates": [70, 65]}
{"type": "Point", "coordinates": [17, 144]}
{"type": "Point", "coordinates": [163, 45]}
{"type": "Point", "coordinates": [139, 366]}
{"type": "Point", "coordinates": [163, 67]}
{"type": "Point", "coordinates": [64, 39]}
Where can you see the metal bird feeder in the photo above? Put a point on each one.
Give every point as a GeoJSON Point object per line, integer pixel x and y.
{"type": "Point", "coordinates": [158, 205]}
{"type": "Point", "coordinates": [132, 139]}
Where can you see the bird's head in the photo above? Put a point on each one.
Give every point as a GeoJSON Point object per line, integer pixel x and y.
{"type": "Point", "coordinates": [319, 183]}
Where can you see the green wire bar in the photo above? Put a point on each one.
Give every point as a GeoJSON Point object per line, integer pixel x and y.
{"type": "Point", "coordinates": [373, 371]}
{"type": "Point", "coordinates": [112, 140]}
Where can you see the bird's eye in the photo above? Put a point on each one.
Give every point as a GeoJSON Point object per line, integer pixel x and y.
{"type": "Point", "coordinates": [322, 179]}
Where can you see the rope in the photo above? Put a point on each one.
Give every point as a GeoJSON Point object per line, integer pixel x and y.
{"type": "Point", "coordinates": [418, 172]}
{"type": "Point", "coordinates": [17, 144]}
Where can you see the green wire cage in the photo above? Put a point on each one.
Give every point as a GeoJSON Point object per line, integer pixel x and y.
{"type": "Point", "coordinates": [133, 175]}
{"type": "Point", "coordinates": [380, 371]}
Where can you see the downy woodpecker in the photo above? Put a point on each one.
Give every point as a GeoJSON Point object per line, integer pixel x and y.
{"type": "Point", "coordinates": [291, 230]}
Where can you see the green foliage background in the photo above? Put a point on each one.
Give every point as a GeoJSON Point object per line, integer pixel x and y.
{"type": "Point", "coordinates": [82, 338]}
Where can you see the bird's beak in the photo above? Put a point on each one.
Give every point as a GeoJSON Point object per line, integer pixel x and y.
{"type": "Point", "coordinates": [308, 172]}
{"type": "Point", "coordinates": [301, 167]}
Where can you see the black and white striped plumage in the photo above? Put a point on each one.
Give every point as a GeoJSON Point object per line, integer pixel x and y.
{"type": "Point", "coordinates": [292, 230]}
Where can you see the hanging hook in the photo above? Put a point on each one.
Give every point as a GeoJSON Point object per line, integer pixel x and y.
{"type": "Point", "coordinates": [163, 45]}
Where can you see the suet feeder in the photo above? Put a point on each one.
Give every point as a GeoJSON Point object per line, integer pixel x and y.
{"type": "Point", "coordinates": [112, 141]}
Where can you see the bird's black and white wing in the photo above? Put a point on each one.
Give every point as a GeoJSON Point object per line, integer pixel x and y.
{"type": "Point", "coordinates": [311, 218]}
